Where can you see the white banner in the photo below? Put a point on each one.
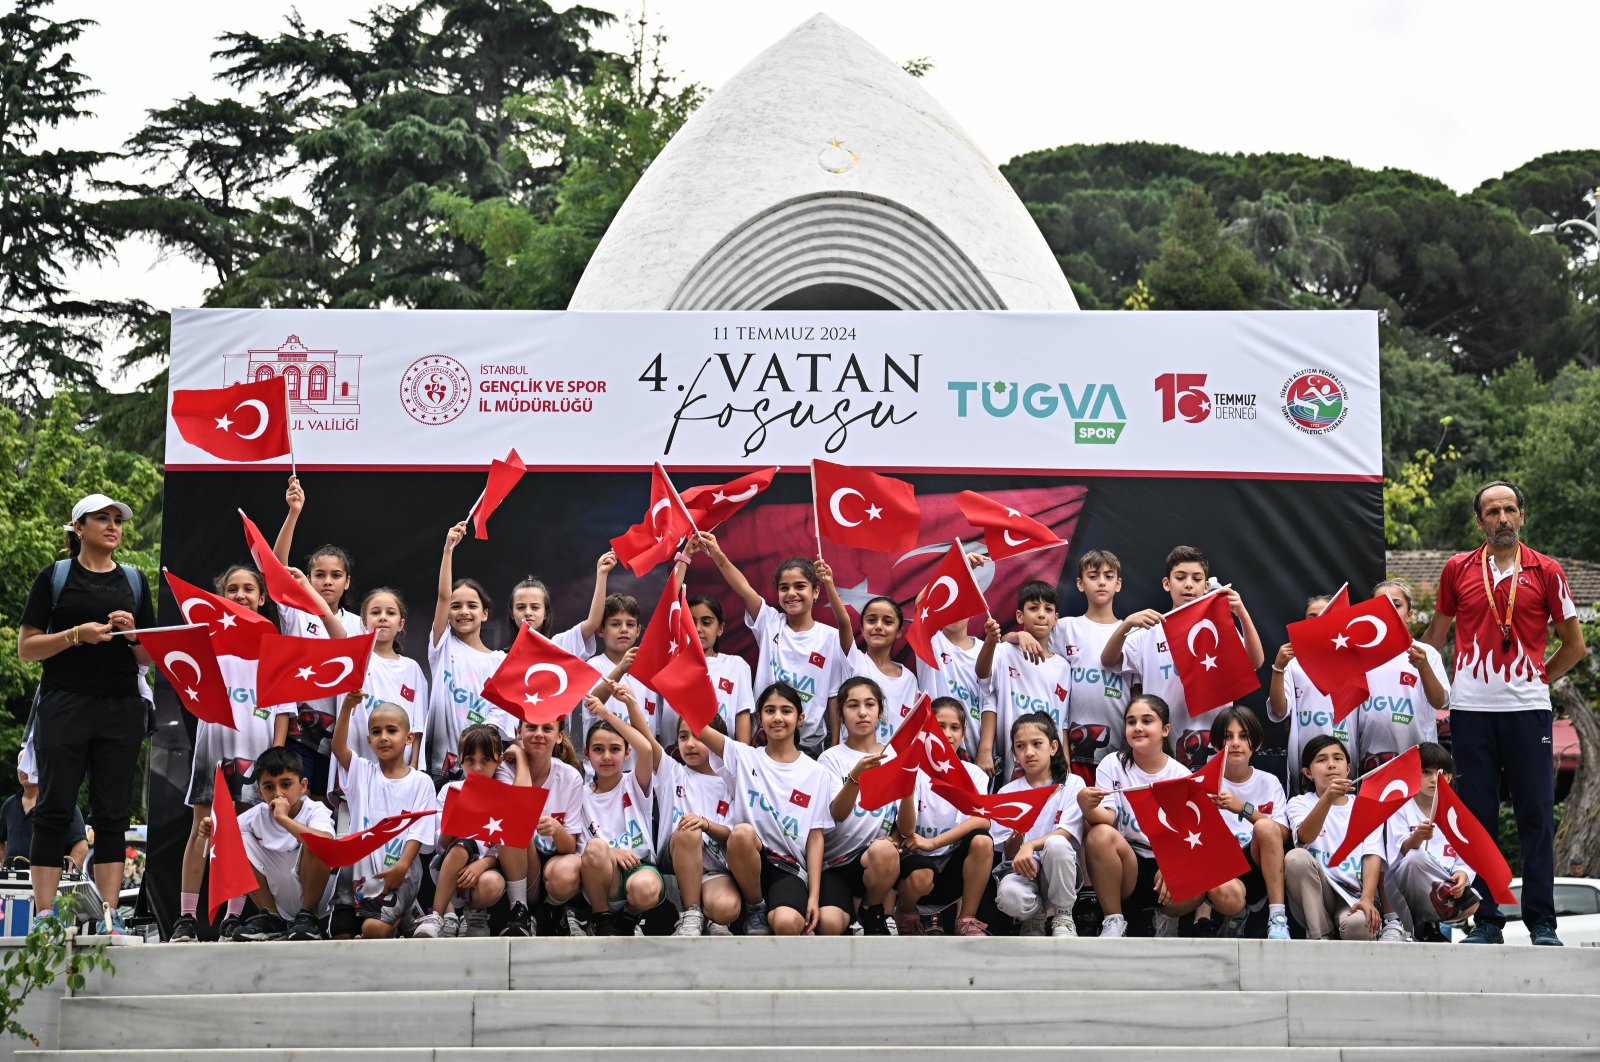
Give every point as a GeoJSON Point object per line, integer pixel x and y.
{"type": "Point", "coordinates": [1285, 395]}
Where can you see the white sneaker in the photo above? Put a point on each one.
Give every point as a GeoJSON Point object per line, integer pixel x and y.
{"type": "Point", "coordinates": [1278, 927]}
{"type": "Point", "coordinates": [475, 924]}
{"type": "Point", "coordinates": [450, 925]}
{"type": "Point", "coordinates": [1034, 927]}
{"type": "Point", "coordinates": [427, 926]}
{"type": "Point", "coordinates": [1392, 932]}
{"type": "Point", "coordinates": [1162, 925]}
{"type": "Point", "coordinates": [692, 923]}
{"type": "Point", "coordinates": [1113, 925]}
{"type": "Point", "coordinates": [1062, 925]}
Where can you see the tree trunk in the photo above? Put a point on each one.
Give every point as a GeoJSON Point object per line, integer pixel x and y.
{"type": "Point", "coordinates": [1579, 835]}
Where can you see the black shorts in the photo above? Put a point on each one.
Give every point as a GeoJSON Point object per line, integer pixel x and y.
{"type": "Point", "coordinates": [783, 886]}
{"type": "Point", "coordinates": [843, 884]}
{"type": "Point", "coordinates": [946, 868]}
{"type": "Point", "coordinates": [1144, 894]}
{"type": "Point", "coordinates": [1255, 886]}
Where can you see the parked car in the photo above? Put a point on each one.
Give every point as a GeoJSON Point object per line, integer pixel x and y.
{"type": "Point", "coordinates": [1577, 912]}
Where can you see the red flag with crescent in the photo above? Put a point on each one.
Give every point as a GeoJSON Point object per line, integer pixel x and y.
{"type": "Point", "coordinates": [538, 680]}
{"type": "Point", "coordinates": [863, 509]}
{"type": "Point", "coordinates": [244, 422]}
{"type": "Point", "coordinates": [1208, 653]}
{"type": "Point", "coordinates": [1006, 531]}
{"type": "Point", "coordinates": [230, 873]}
{"type": "Point", "coordinates": [951, 594]}
{"type": "Point", "coordinates": [655, 538]}
{"type": "Point", "coordinates": [1193, 846]}
{"type": "Point", "coordinates": [186, 658]}
{"type": "Point", "coordinates": [715, 502]}
{"type": "Point", "coordinates": [1472, 843]}
{"type": "Point", "coordinates": [235, 630]}
{"type": "Point", "coordinates": [1339, 647]}
{"type": "Point", "coordinates": [306, 669]}
{"type": "Point", "coordinates": [1383, 792]}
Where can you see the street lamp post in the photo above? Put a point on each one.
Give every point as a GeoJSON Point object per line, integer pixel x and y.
{"type": "Point", "coordinates": [1590, 224]}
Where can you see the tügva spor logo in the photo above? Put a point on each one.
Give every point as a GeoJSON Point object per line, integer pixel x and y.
{"type": "Point", "coordinates": [1094, 408]}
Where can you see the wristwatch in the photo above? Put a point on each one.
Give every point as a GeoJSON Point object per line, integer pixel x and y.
{"type": "Point", "coordinates": [1247, 812]}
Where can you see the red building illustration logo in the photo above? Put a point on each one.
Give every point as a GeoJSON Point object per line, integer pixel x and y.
{"type": "Point", "coordinates": [319, 381]}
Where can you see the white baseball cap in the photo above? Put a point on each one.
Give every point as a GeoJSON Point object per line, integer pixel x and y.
{"type": "Point", "coordinates": [94, 503]}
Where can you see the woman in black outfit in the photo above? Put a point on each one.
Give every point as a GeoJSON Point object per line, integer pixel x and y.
{"type": "Point", "coordinates": [89, 716]}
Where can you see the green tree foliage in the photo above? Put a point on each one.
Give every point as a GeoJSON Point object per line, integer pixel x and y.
{"type": "Point", "coordinates": [48, 464]}
{"type": "Point", "coordinates": [1558, 453]}
{"type": "Point", "coordinates": [1198, 269]}
{"type": "Point", "coordinates": [46, 332]}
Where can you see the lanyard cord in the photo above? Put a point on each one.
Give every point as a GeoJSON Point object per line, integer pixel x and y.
{"type": "Point", "coordinates": [1503, 622]}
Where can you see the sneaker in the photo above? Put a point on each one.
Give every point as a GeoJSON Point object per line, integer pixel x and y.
{"type": "Point", "coordinates": [263, 926]}
{"type": "Point", "coordinates": [717, 929]}
{"type": "Point", "coordinates": [971, 927]}
{"type": "Point", "coordinates": [909, 925]}
{"type": "Point", "coordinates": [1278, 927]}
{"type": "Point", "coordinates": [1392, 931]}
{"type": "Point", "coordinates": [610, 924]}
{"type": "Point", "coordinates": [185, 930]}
{"type": "Point", "coordinates": [1544, 934]}
{"type": "Point", "coordinates": [1232, 928]}
{"type": "Point", "coordinates": [572, 925]}
{"type": "Point", "coordinates": [305, 926]}
{"type": "Point", "coordinates": [1062, 924]}
{"type": "Point", "coordinates": [518, 924]}
{"type": "Point", "coordinates": [874, 923]}
{"type": "Point", "coordinates": [450, 925]}
{"type": "Point", "coordinates": [931, 926]}
{"type": "Point", "coordinates": [427, 927]}
{"type": "Point", "coordinates": [1113, 925]}
{"type": "Point", "coordinates": [1431, 933]}
{"type": "Point", "coordinates": [475, 924]}
{"type": "Point", "coordinates": [755, 921]}
{"type": "Point", "coordinates": [1163, 925]}
{"type": "Point", "coordinates": [692, 923]}
{"type": "Point", "coordinates": [1486, 933]}
{"type": "Point", "coordinates": [229, 929]}
{"type": "Point", "coordinates": [113, 928]}
{"type": "Point", "coordinates": [1034, 927]}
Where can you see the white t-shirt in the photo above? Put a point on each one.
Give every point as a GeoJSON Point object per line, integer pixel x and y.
{"type": "Point", "coordinates": [681, 791]}
{"type": "Point", "coordinates": [956, 676]}
{"type": "Point", "coordinates": [1310, 715]}
{"type": "Point", "coordinates": [809, 660]}
{"type": "Point", "coordinates": [572, 641]}
{"type": "Point", "coordinates": [935, 814]}
{"type": "Point", "coordinates": [1149, 666]}
{"type": "Point", "coordinates": [1099, 695]}
{"type": "Point", "coordinates": [1265, 792]}
{"type": "Point", "coordinates": [456, 700]}
{"type": "Point", "coordinates": [257, 823]}
{"type": "Point", "coordinates": [1346, 877]}
{"type": "Point", "coordinates": [373, 798]}
{"type": "Point", "coordinates": [783, 801]}
{"type": "Point", "coordinates": [253, 724]}
{"type": "Point", "coordinates": [861, 827]}
{"type": "Point", "coordinates": [1061, 812]}
{"type": "Point", "coordinates": [649, 700]}
{"type": "Point", "coordinates": [1399, 827]}
{"type": "Point", "coordinates": [730, 678]}
{"type": "Point", "coordinates": [398, 681]}
{"type": "Point", "coordinates": [313, 726]}
{"type": "Point", "coordinates": [1020, 687]}
{"type": "Point", "coordinates": [1397, 715]}
{"type": "Point", "coordinates": [1113, 775]}
{"type": "Point", "coordinates": [899, 692]}
{"type": "Point", "coordinates": [622, 817]}
{"type": "Point", "coordinates": [564, 804]}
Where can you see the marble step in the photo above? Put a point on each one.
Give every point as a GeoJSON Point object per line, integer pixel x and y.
{"type": "Point", "coordinates": [830, 1054]}
{"type": "Point", "coordinates": [983, 964]}
{"type": "Point", "coordinates": [830, 1018]}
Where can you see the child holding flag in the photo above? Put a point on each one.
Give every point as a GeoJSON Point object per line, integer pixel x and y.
{"type": "Point", "coordinates": [694, 830]}
{"type": "Point", "coordinates": [881, 626]}
{"type": "Point", "coordinates": [295, 886]}
{"type": "Point", "coordinates": [1255, 809]}
{"type": "Point", "coordinates": [1432, 880]}
{"type": "Point", "coordinates": [551, 858]}
{"type": "Point", "coordinates": [620, 879]}
{"type": "Point", "coordinates": [1039, 885]}
{"type": "Point", "coordinates": [1021, 685]}
{"type": "Point", "coordinates": [465, 869]}
{"type": "Point", "coordinates": [461, 663]}
{"type": "Point", "coordinates": [1404, 694]}
{"type": "Point", "coordinates": [1321, 896]}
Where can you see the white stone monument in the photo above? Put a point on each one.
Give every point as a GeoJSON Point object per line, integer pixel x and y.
{"type": "Point", "coordinates": [822, 176]}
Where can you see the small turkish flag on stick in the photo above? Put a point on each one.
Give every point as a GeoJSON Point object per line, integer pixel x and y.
{"type": "Point", "coordinates": [1006, 532]}
{"type": "Point", "coordinates": [1194, 848]}
{"type": "Point", "coordinates": [952, 594]}
{"type": "Point", "coordinates": [244, 422]}
{"type": "Point", "coordinates": [1017, 810]}
{"type": "Point", "coordinates": [344, 851]}
{"type": "Point", "coordinates": [493, 812]}
{"type": "Point", "coordinates": [280, 584]}
{"type": "Point", "coordinates": [231, 874]}
{"type": "Point", "coordinates": [1383, 792]}
{"type": "Point", "coordinates": [1472, 842]}
{"type": "Point", "coordinates": [186, 658]}
{"type": "Point", "coordinates": [711, 504]}
{"type": "Point", "coordinates": [1337, 648]}
{"type": "Point", "coordinates": [538, 680]}
{"type": "Point", "coordinates": [306, 669]}
{"type": "Point", "coordinates": [1209, 655]}
{"type": "Point", "coordinates": [503, 475]}
{"type": "Point", "coordinates": [862, 509]}
{"type": "Point", "coordinates": [235, 630]}
{"type": "Point", "coordinates": [655, 538]}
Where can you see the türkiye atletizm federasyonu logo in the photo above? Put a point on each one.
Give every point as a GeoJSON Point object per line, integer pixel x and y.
{"type": "Point", "coordinates": [1094, 408]}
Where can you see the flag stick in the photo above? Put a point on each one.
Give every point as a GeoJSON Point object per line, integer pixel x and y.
{"type": "Point", "coordinates": [1196, 601]}
{"type": "Point", "coordinates": [288, 430]}
{"type": "Point", "coordinates": [1381, 766]}
{"type": "Point", "coordinates": [816, 519]}
{"type": "Point", "coordinates": [157, 630]}
{"type": "Point", "coordinates": [963, 551]}
{"type": "Point", "coordinates": [679, 499]}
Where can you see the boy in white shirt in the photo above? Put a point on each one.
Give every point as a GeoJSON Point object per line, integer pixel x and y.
{"type": "Point", "coordinates": [1020, 685]}
{"type": "Point", "coordinates": [293, 885]}
{"type": "Point", "coordinates": [1099, 694]}
{"type": "Point", "coordinates": [1433, 883]}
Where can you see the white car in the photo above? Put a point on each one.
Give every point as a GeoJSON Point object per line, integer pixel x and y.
{"type": "Point", "coordinates": [1577, 912]}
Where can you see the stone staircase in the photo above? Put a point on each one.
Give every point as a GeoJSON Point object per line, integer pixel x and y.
{"type": "Point", "coordinates": [883, 999]}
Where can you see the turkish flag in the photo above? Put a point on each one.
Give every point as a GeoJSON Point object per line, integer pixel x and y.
{"type": "Point", "coordinates": [503, 475]}
{"type": "Point", "coordinates": [1338, 648]}
{"type": "Point", "coordinates": [919, 744]}
{"type": "Point", "coordinates": [1210, 776]}
{"type": "Point", "coordinates": [670, 632]}
{"type": "Point", "coordinates": [235, 630]}
{"type": "Point", "coordinates": [1017, 810]}
{"type": "Point", "coordinates": [186, 658]}
{"type": "Point", "coordinates": [685, 683]}
{"type": "Point", "coordinates": [245, 422]}
{"type": "Point", "coordinates": [1338, 602]}
{"type": "Point", "coordinates": [1383, 792]}
{"type": "Point", "coordinates": [952, 594]}
{"type": "Point", "coordinates": [336, 852]}
{"type": "Point", "coordinates": [1192, 844]}
{"type": "Point", "coordinates": [281, 586]}
{"type": "Point", "coordinates": [655, 538]}
{"type": "Point", "coordinates": [858, 508]}
{"type": "Point", "coordinates": [231, 874]}
{"type": "Point", "coordinates": [538, 680]}
{"type": "Point", "coordinates": [1472, 843]}
{"type": "Point", "coordinates": [1210, 657]}
{"type": "Point", "coordinates": [1006, 532]}
{"type": "Point", "coordinates": [493, 812]}
{"type": "Point", "coordinates": [711, 504]}
{"type": "Point", "coordinates": [305, 669]}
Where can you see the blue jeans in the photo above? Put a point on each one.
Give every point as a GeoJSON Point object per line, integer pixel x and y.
{"type": "Point", "coordinates": [1516, 746]}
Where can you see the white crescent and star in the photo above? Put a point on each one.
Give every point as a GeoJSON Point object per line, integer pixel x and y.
{"type": "Point", "coordinates": [735, 499]}
{"type": "Point", "coordinates": [187, 608]}
{"type": "Point", "coordinates": [656, 508]}
{"type": "Point", "coordinates": [838, 496]}
{"type": "Point", "coordinates": [184, 658]}
{"type": "Point", "coordinates": [1006, 532]}
{"type": "Point", "coordinates": [944, 581]}
{"type": "Point", "coordinates": [527, 679]}
{"type": "Point", "coordinates": [346, 665]}
{"type": "Point", "coordinates": [1208, 661]}
{"type": "Point", "coordinates": [1002, 808]}
{"type": "Point", "coordinates": [261, 424]}
{"type": "Point", "coordinates": [1379, 629]}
